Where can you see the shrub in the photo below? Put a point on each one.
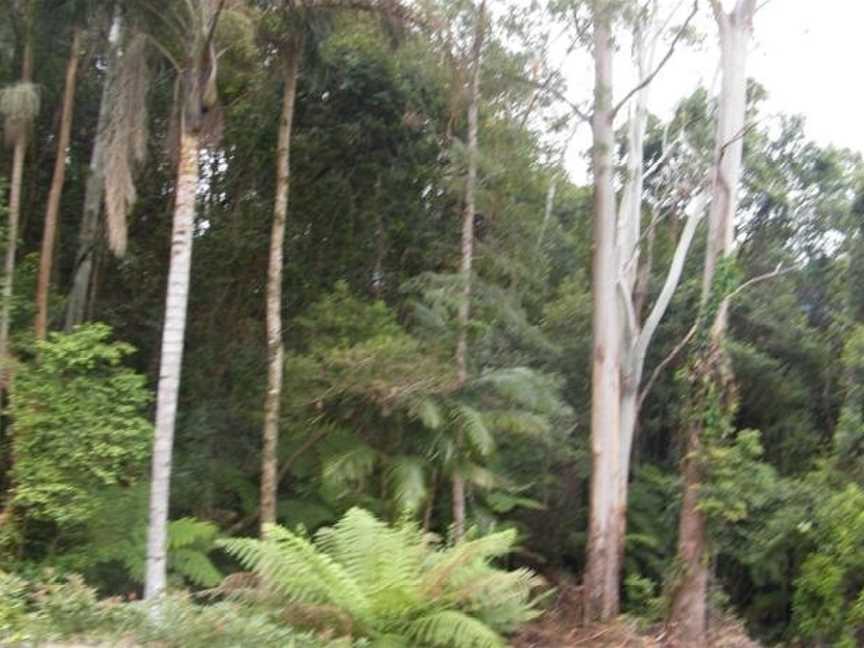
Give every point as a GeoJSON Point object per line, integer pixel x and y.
{"type": "Point", "coordinates": [391, 585]}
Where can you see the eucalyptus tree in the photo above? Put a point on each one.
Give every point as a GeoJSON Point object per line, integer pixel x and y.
{"type": "Point", "coordinates": [620, 337]}
{"type": "Point", "coordinates": [185, 36]}
{"type": "Point", "coordinates": [19, 104]}
{"type": "Point", "coordinates": [712, 373]}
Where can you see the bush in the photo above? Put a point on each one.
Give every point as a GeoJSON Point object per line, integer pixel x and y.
{"type": "Point", "coordinates": [391, 585]}
{"type": "Point", "coordinates": [56, 609]}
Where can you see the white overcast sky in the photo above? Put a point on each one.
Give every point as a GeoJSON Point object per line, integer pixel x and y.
{"type": "Point", "coordinates": [808, 54]}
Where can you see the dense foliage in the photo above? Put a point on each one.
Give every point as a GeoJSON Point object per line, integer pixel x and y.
{"type": "Point", "coordinates": [378, 423]}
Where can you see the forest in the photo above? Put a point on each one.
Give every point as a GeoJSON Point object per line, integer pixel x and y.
{"type": "Point", "coordinates": [418, 324]}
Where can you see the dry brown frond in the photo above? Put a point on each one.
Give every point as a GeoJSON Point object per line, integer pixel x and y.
{"type": "Point", "coordinates": [19, 105]}
{"type": "Point", "coordinates": [125, 139]}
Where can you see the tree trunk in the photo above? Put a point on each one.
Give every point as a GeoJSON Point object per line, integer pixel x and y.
{"type": "Point", "coordinates": [275, 351]}
{"type": "Point", "coordinates": [602, 569]}
{"type": "Point", "coordinates": [76, 307]}
{"type": "Point", "coordinates": [49, 235]}
{"type": "Point", "coordinates": [173, 333]}
{"type": "Point", "coordinates": [468, 256]}
{"type": "Point", "coordinates": [15, 187]}
{"type": "Point", "coordinates": [688, 615]}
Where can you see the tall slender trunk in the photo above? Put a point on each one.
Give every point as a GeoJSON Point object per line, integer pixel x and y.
{"type": "Point", "coordinates": [49, 234]}
{"type": "Point", "coordinates": [468, 256]}
{"type": "Point", "coordinates": [76, 306]}
{"type": "Point", "coordinates": [15, 187]}
{"type": "Point", "coordinates": [173, 334]}
{"type": "Point", "coordinates": [275, 350]}
{"type": "Point", "coordinates": [688, 616]}
{"type": "Point", "coordinates": [602, 569]}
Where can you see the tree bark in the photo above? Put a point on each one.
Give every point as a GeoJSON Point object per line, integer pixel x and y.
{"type": "Point", "coordinates": [602, 570]}
{"type": "Point", "coordinates": [76, 307]}
{"type": "Point", "coordinates": [18, 155]}
{"type": "Point", "coordinates": [275, 349]}
{"type": "Point", "coordinates": [49, 235]}
{"type": "Point", "coordinates": [687, 622]}
{"type": "Point", "coordinates": [468, 255]}
{"type": "Point", "coordinates": [173, 334]}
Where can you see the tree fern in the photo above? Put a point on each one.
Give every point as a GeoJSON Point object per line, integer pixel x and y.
{"type": "Point", "coordinates": [392, 583]}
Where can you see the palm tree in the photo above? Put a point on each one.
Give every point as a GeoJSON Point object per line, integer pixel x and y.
{"type": "Point", "coordinates": [193, 56]}
{"type": "Point", "coordinates": [120, 143]}
{"type": "Point", "coordinates": [19, 105]}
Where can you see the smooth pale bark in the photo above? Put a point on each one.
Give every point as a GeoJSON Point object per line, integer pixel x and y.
{"type": "Point", "coordinates": [634, 336]}
{"type": "Point", "coordinates": [173, 334]}
{"type": "Point", "coordinates": [458, 493]}
{"type": "Point", "coordinates": [603, 569]}
{"type": "Point", "coordinates": [15, 187]}
{"type": "Point", "coordinates": [52, 211]}
{"type": "Point", "coordinates": [275, 347]}
{"type": "Point", "coordinates": [688, 616]}
{"type": "Point", "coordinates": [76, 307]}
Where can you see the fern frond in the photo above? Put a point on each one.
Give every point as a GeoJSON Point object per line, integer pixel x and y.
{"type": "Point", "coordinates": [429, 413]}
{"type": "Point", "coordinates": [291, 566]}
{"type": "Point", "coordinates": [195, 566]}
{"type": "Point", "coordinates": [456, 557]}
{"type": "Point", "coordinates": [452, 629]}
{"type": "Point", "coordinates": [471, 422]}
{"type": "Point", "coordinates": [406, 477]}
{"type": "Point", "coordinates": [189, 531]}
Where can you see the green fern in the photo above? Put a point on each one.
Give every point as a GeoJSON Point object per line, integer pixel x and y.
{"type": "Point", "coordinates": [394, 584]}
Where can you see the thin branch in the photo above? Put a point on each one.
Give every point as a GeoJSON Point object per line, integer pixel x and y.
{"type": "Point", "coordinates": [779, 270]}
{"type": "Point", "coordinates": [544, 87]}
{"type": "Point", "coordinates": [776, 272]}
{"type": "Point", "coordinates": [665, 363]}
{"type": "Point", "coordinates": [662, 63]}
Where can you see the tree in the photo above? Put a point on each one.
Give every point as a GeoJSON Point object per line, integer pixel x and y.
{"type": "Point", "coordinates": [687, 619]}
{"type": "Point", "coordinates": [19, 105]}
{"type": "Point", "coordinates": [120, 142]}
{"type": "Point", "coordinates": [292, 53]}
{"type": "Point", "coordinates": [291, 49]}
{"type": "Point", "coordinates": [52, 209]}
{"type": "Point", "coordinates": [620, 338]}
{"type": "Point", "coordinates": [468, 250]}
{"type": "Point", "coordinates": [195, 66]}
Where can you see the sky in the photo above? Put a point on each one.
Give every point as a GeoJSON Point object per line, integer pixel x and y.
{"type": "Point", "coordinates": [808, 55]}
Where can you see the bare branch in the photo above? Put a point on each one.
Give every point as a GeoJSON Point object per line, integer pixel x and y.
{"type": "Point", "coordinates": [545, 87]}
{"type": "Point", "coordinates": [776, 272]}
{"type": "Point", "coordinates": [665, 363]}
{"type": "Point", "coordinates": [673, 277]}
{"type": "Point", "coordinates": [648, 79]}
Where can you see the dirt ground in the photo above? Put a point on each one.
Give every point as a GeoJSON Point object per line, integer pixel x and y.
{"type": "Point", "coordinates": [560, 628]}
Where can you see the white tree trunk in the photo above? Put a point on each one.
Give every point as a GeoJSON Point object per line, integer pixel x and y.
{"type": "Point", "coordinates": [602, 569]}
{"type": "Point", "coordinates": [173, 334]}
